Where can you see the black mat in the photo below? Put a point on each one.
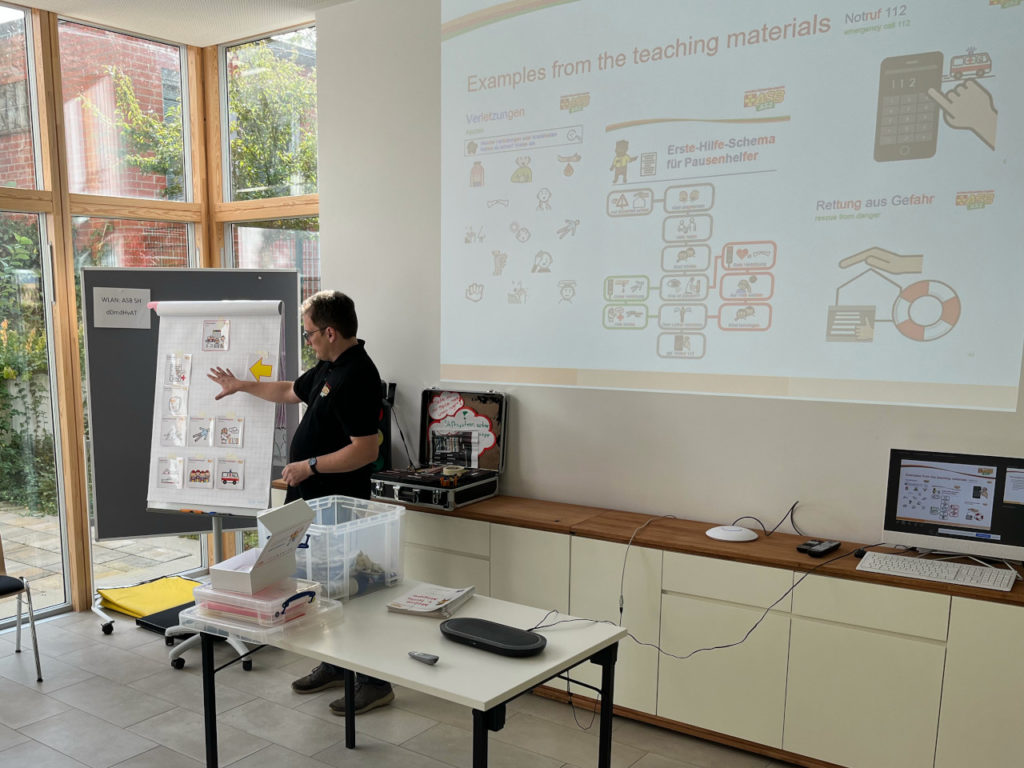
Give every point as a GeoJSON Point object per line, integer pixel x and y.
{"type": "Point", "coordinates": [160, 621]}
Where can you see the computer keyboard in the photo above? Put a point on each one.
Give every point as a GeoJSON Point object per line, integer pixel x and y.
{"type": "Point", "coordinates": [938, 570]}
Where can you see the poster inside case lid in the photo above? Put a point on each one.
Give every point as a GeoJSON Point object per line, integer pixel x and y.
{"type": "Point", "coordinates": [463, 428]}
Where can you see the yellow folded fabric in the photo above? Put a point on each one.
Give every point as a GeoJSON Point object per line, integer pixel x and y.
{"type": "Point", "coordinates": [151, 597]}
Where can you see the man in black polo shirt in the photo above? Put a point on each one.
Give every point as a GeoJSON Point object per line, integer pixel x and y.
{"type": "Point", "coordinates": [335, 443]}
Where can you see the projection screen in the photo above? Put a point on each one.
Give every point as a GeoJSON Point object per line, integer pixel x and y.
{"type": "Point", "coordinates": [787, 199]}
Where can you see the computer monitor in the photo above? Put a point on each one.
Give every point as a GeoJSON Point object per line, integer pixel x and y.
{"type": "Point", "coordinates": [956, 502]}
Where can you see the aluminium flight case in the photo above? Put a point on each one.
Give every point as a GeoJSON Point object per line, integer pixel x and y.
{"type": "Point", "coordinates": [462, 436]}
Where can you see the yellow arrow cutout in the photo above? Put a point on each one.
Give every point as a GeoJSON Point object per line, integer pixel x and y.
{"type": "Point", "coordinates": [259, 368]}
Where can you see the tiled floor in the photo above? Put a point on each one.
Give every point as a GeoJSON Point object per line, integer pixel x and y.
{"type": "Point", "coordinates": [113, 700]}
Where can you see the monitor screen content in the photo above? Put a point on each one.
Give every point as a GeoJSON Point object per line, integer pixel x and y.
{"type": "Point", "coordinates": [956, 502]}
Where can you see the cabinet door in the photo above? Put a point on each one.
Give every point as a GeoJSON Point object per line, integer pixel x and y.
{"type": "Point", "coordinates": [449, 551]}
{"type": "Point", "coordinates": [862, 698]}
{"type": "Point", "coordinates": [740, 691]}
{"type": "Point", "coordinates": [981, 694]}
{"type": "Point", "coordinates": [530, 567]}
{"type": "Point", "coordinates": [865, 673]}
{"type": "Point", "coordinates": [597, 577]}
{"type": "Point", "coordinates": [709, 602]}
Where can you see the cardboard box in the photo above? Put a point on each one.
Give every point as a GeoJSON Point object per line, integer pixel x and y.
{"type": "Point", "coordinates": [262, 567]}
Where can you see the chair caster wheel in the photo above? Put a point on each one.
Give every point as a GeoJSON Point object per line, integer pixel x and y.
{"type": "Point", "coordinates": [107, 628]}
{"type": "Point", "coordinates": [246, 664]}
{"type": "Point", "coordinates": [178, 663]}
{"type": "Point", "coordinates": [168, 641]}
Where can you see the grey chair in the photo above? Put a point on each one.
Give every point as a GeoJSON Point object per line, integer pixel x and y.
{"type": "Point", "coordinates": [9, 587]}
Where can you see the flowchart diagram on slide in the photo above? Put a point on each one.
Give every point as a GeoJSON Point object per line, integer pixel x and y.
{"type": "Point", "coordinates": [694, 288]}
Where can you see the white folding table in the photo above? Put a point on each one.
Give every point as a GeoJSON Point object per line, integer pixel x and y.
{"type": "Point", "coordinates": [368, 638]}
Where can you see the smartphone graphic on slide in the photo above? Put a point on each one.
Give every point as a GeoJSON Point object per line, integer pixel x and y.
{"type": "Point", "coordinates": [907, 123]}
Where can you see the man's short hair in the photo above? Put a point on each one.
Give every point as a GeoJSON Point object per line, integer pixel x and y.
{"type": "Point", "coordinates": [332, 309]}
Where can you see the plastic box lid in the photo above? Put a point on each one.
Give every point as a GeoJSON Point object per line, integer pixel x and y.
{"type": "Point", "coordinates": [340, 510]}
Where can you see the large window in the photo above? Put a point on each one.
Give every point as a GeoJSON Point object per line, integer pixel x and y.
{"type": "Point", "coordinates": [107, 158]}
{"type": "Point", "coordinates": [125, 137]}
{"type": "Point", "coordinates": [125, 124]}
{"type": "Point", "coordinates": [271, 105]}
{"type": "Point", "coordinates": [123, 112]}
{"type": "Point", "coordinates": [17, 139]}
{"type": "Point", "coordinates": [30, 523]}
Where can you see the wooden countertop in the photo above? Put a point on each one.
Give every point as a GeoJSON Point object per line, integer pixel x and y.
{"type": "Point", "coordinates": [688, 537]}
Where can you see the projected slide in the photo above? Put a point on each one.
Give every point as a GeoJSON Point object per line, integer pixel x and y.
{"type": "Point", "coordinates": [788, 199]}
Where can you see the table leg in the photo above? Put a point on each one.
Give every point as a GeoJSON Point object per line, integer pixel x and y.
{"type": "Point", "coordinates": [491, 720]}
{"type": "Point", "coordinates": [479, 740]}
{"type": "Point", "coordinates": [209, 699]}
{"type": "Point", "coordinates": [350, 710]}
{"type": "Point", "coordinates": [606, 659]}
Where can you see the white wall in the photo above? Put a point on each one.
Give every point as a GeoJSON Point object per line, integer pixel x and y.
{"type": "Point", "coordinates": [706, 458]}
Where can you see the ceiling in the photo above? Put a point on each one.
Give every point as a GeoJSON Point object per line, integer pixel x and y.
{"type": "Point", "coordinates": [195, 22]}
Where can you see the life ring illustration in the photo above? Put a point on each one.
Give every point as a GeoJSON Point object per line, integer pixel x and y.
{"type": "Point", "coordinates": [926, 310]}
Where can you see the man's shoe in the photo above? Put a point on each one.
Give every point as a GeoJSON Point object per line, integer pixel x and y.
{"type": "Point", "coordinates": [322, 677]}
{"type": "Point", "coordinates": [368, 696]}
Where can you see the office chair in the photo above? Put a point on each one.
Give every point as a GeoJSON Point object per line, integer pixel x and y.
{"type": "Point", "coordinates": [10, 586]}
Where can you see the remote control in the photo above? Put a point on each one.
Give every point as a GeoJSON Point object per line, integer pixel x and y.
{"type": "Point", "coordinates": [807, 545]}
{"type": "Point", "coordinates": [824, 548]}
{"type": "Point", "coordinates": [426, 658]}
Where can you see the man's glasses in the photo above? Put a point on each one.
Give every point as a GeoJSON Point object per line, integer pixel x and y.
{"type": "Point", "coordinates": [307, 334]}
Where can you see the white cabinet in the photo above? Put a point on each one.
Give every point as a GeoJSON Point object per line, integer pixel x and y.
{"type": "Point", "coordinates": [981, 694]}
{"type": "Point", "coordinates": [449, 551]}
{"type": "Point", "coordinates": [865, 673]}
{"type": "Point", "coordinates": [839, 670]}
{"type": "Point", "coordinates": [596, 579]}
{"type": "Point", "coordinates": [530, 567]}
{"type": "Point", "coordinates": [741, 690]}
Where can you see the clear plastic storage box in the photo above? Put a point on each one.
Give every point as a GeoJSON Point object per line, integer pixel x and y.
{"type": "Point", "coordinates": [352, 547]}
{"type": "Point", "coordinates": [322, 613]}
{"type": "Point", "coordinates": [287, 600]}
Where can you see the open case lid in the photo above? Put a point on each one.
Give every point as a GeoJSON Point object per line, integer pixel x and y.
{"type": "Point", "coordinates": [464, 428]}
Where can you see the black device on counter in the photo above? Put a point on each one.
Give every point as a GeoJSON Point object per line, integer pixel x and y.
{"type": "Point", "coordinates": [818, 548]}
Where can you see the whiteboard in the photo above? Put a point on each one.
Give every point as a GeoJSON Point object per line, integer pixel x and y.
{"type": "Point", "coordinates": [208, 454]}
{"type": "Point", "coordinates": [121, 361]}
